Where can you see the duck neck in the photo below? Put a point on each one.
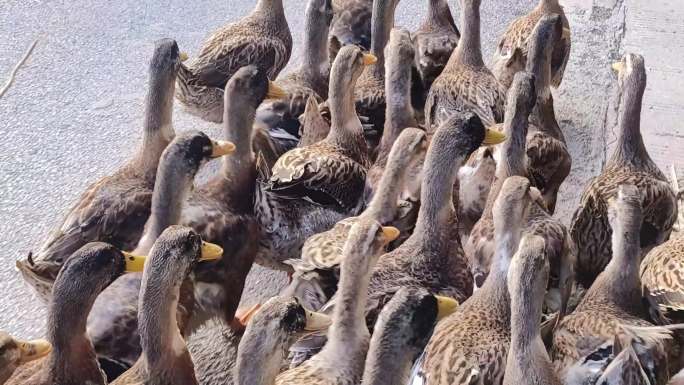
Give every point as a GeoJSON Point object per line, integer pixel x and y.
{"type": "Point", "coordinates": [270, 8]}
{"type": "Point", "coordinates": [259, 357]}
{"type": "Point", "coordinates": [238, 120]}
{"type": "Point", "coordinates": [469, 50]}
{"type": "Point", "coordinates": [315, 49]}
{"type": "Point", "coordinates": [526, 311]}
{"type": "Point", "coordinates": [622, 272]}
{"type": "Point", "coordinates": [160, 338]}
{"type": "Point", "coordinates": [348, 334]}
{"type": "Point", "coordinates": [383, 205]}
{"type": "Point", "coordinates": [543, 116]}
{"type": "Point", "coordinates": [439, 14]}
{"type": "Point", "coordinates": [630, 148]}
{"type": "Point", "coordinates": [436, 198]}
{"type": "Point", "coordinates": [158, 129]}
{"type": "Point", "coordinates": [388, 364]}
{"type": "Point", "coordinates": [548, 6]}
{"type": "Point", "coordinates": [399, 111]}
{"type": "Point", "coordinates": [382, 21]}
{"type": "Point", "coordinates": [170, 192]}
{"type": "Point", "coordinates": [67, 321]}
{"type": "Point", "coordinates": [345, 127]}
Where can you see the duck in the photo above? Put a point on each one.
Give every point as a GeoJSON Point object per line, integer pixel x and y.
{"type": "Point", "coordinates": [465, 83]}
{"type": "Point", "coordinates": [322, 252]}
{"type": "Point", "coordinates": [17, 352]}
{"type": "Point", "coordinates": [261, 38]}
{"type": "Point", "coordinates": [309, 80]}
{"type": "Point", "coordinates": [269, 333]}
{"type": "Point", "coordinates": [514, 46]}
{"type": "Point", "coordinates": [480, 246]}
{"type": "Point", "coordinates": [311, 188]}
{"type": "Point", "coordinates": [660, 270]}
{"type": "Point", "coordinates": [68, 356]}
{"type": "Point", "coordinates": [351, 25]}
{"type": "Point", "coordinates": [115, 208]}
{"type": "Point", "coordinates": [342, 359]}
{"type": "Point", "coordinates": [527, 361]}
{"type": "Point", "coordinates": [615, 297]}
{"type": "Point", "coordinates": [434, 41]}
{"type": "Point", "coordinates": [432, 257]}
{"type": "Point", "coordinates": [398, 111]}
{"type": "Point", "coordinates": [481, 327]}
{"type": "Point", "coordinates": [549, 160]}
{"type": "Point", "coordinates": [403, 329]}
{"type": "Point", "coordinates": [313, 127]}
{"type": "Point", "coordinates": [112, 323]}
{"type": "Point", "coordinates": [629, 163]}
{"type": "Point", "coordinates": [369, 93]}
{"type": "Point", "coordinates": [165, 358]}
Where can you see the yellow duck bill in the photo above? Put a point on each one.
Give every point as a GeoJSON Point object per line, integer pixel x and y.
{"type": "Point", "coordinates": [211, 252]}
{"type": "Point", "coordinates": [221, 148]}
{"type": "Point", "coordinates": [33, 350]}
{"type": "Point", "coordinates": [445, 306]}
{"type": "Point", "coordinates": [134, 263]}
{"type": "Point", "coordinates": [493, 137]}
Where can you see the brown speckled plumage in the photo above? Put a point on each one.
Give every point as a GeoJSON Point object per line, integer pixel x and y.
{"type": "Point", "coordinates": [614, 298]}
{"type": "Point", "coordinates": [518, 37]}
{"type": "Point", "coordinates": [342, 359]}
{"type": "Point", "coordinates": [465, 83]}
{"type": "Point", "coordinates": [434, 41]}
{"type": "Point", "coordinates": [471, 345]}
{"type": "Point", "coordinates": [662, 274]}
{"type": "Point", "coordinates": [629, 164]}
{"type": "Point", "coordinates": [309, 79]}
{"type": "Point", "coordinates": [115, 208]}
{"type": "Point", "coordinates": [432, 258]}
{"type": "Point", "coordinates": [261, 38]}
{"type": "Point", "coordinates": [369, 92]}
{"type": "Point", "coordinates": [311, 188]}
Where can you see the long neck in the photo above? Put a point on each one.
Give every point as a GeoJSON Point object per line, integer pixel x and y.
{"type": "Point", "coordinates": [539, 64]}
{"type": "Point", "coordinates": [170, 192]}
{"type": "Point", "coordinates": [548, 5]}
{"type": "Point", "coordinates": [270, 9]}
{"type": "Point", "coordinates": [506, 241]}
{"type": "Point", "coordinates": [526, 311]}
{"type": "Point", "coordinates": [630, 145]}
{"type": "Point", "coordinates": [160, 337]}
{"type": "Point", "coordinates": [315, 49]}
{"type": "Point", "coordinates": [399, 111]}
{"type": "Point", "coordinates": [383, 205]}
{"type": "Point", "coordinates": [382, 22]}
{"type": "Point", "coordinates": [259, 358]}
{"type": "Point", "coordinates": [388, 364]}
{"type": "Point", "coordinates": [345, 126]}
{"type": "Point", "coordinates": [238, 122]}
{"type": "Point", "coordinates": [621, 275]}
{"type": "Point", "coordinates": [158, 126]}
{"type": "Point", "coordinates": [469, 50]}
{"type": "Point", "coordinates": [439, 14]}
{"type": "Point", "coordinates": [349, 332]}
{"type": "Point", "coordinates": [67, 320]}
{"type": "Point", "coordinates": [440, 173]}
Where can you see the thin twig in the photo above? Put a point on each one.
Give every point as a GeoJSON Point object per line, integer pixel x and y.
{"type": "Point", "coordinates": [16, 68]}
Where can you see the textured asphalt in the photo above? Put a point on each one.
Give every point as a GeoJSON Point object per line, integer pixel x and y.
{"type": "Point", "coordinates": [74, 112]}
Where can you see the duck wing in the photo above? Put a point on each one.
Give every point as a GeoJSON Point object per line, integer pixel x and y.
{"type": "Point", "coordinates": [320, 174]}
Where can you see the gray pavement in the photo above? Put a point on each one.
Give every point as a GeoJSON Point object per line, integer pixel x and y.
{"type": "Point", "coordinates": [74, 112]}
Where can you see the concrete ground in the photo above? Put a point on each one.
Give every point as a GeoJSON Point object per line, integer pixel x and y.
{"type": "Point", "coordinates": [75, 109]}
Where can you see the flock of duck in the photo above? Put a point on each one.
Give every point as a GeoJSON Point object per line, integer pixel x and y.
{"type": "Point", "coordinates": [407, 190]}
